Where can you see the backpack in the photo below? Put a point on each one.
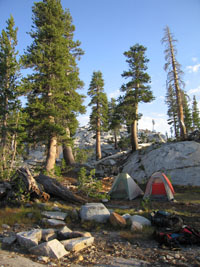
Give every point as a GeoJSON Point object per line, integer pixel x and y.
{"type": "Point", "coordinates": [166, 219]}
{"type": "Point", "coordinates": [185, 236]}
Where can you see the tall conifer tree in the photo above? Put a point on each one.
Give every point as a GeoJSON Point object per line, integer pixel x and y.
{"type": "Point", "coordinates": [53, 100]}
{"type": "Point", "coordinates": [137, 89]}
{"type": "Point", "coordinates": [187, 112]}
{"type": "Point", "coordinates": [99, 103]}
{"type": "Point", "coordinates": [9, 86]}
{"type": "Point", "coordinates": [115, 119]}
{"type": "Point", "coordinates": [195, 115]}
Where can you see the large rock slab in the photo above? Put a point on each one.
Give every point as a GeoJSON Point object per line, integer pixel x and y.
{"type": "Point", "coordinates": [58, 215]}
{"type": "Point", "coordinates": [180, 161]}
{"type": "Point", "coordinates": [53, 222]}
{"type": "Point", "coordinates": [52, 249]}
{"type": "Point", "coordinates": [77, 244]}
{"type": "Point", "coordinates": [29, 239]}
{"type": "Point", "coordinates": [94, 212]}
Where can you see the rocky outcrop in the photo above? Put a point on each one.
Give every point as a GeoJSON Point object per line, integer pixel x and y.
{"type": "Point", "coordinates": [180, 161]}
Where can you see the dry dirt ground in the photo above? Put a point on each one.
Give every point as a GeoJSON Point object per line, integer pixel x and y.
{"type": "Point", "coordinates": [113, 244]}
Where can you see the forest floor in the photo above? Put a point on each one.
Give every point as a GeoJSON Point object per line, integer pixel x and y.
{"type": "Point", "coordinates": [113, 245]}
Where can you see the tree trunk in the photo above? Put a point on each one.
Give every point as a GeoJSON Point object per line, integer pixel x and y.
{"type": "Point", "coordinates": [98, 141]}
{"type": "Point", "coordinates": [134, 131]}
{"type": "Point", "coordinates": [68, 155]}
{"type": "Point", "coordinates": [134, 138]}
{"type": "Point", "coordinates": [4, 132]}
{"type": "Point", "coordinates": [31, 185]}
{"type": "Point", "coordinates": [115, 137]}
{"type": "Point", "coordinates": [53, 187]}
{"type": "Point", "coordinates": [51, 154]}
{"type": "Point", "coordinates": [178, 93]}
{"type": "Point", "coordinates": [67, 150]}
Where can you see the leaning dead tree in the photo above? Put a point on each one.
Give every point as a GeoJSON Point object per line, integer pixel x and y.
{"type": "Point", "coordinates": [174, 76]}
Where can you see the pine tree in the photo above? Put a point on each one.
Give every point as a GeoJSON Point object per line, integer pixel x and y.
{"type": "Point", "coordinates": [172, 109]}
{"type": "Point", "coordinates": [115, 119]}
{"type": "Point", "coordinates": [99, 103]}
{"type": "Point", "coordinates": [187, 112]}
{"type": "Point", "coordinates": [53, 100]}
{"type": "Point", "coordinates": [137, 89]}
{"type": "Point", "coordinates": [9, 86]}
{"type": "Point", "coordinates": [174, 76]}
{"type": "Point", "coordinates": [195, 115]}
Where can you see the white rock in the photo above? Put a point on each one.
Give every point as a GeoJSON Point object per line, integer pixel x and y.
{"type": "Point", "coordinates": [55, 215]}
{"type": "Point", "coordinates": [138, 222]}
{"type": "Point", "coordinates": [94, 212]}
{"type": "Point", "coordinates": [77, 244]}
{"type": "Point", "coordinates": [180, 161]}
{"type": "Point", "coordinates": [52, 249]}
{"type": "Point", "coordinates": [30, 238]}
{"type": "Point", "coordinates": [53, 222]}
{"type": "Point", "coordinates": [48, 234]}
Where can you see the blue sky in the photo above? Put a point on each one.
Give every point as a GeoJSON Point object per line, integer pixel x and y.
{"type": "Point", "coordinates": [107, 28]}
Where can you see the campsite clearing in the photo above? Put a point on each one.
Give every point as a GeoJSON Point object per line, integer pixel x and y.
{"type": "Point", "coordinates": [121, 243]}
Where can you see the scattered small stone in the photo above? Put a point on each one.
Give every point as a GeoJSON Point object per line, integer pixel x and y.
{"type": "Point", "coordinates": [168, 257]}
{"type": "Point", "coordinates": [8, 241]}
{"type": "Point", "coordinates": [177, 256]}
{"type": "Point", "coordinates": [117, 220]}
{"type": "Point", "coordinates": [48, 234]}
{"type": "Point", "coordinates": [43, 259]}
{"type": "Point", "coordinates": [5, 226]}
{"type": "Point", "coordinates": [74, 215]}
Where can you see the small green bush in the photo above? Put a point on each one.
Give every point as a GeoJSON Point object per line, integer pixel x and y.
{"type": "Point", "coordinates": [89, 184]}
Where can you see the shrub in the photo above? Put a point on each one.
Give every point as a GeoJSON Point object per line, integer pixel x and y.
{"type": "Point", "coordinates": [89, 184]}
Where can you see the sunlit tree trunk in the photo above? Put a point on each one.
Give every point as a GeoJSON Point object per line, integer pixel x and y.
{"type": "Point", "coordinates": [98, 140]}
{"type": "Point", "coordinates": [67, 151]}
{"type": "Point", "coordinates": [51, 154]}
{"type": "Point", "coordinates": [134, 131]}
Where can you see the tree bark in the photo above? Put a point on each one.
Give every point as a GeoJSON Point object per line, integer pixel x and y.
{"type": "Point", "coordinates": [134, 139]}
{"type": "Point", "coordinates": [31, 185]}
{"type": "Point", "coordinates": [53, 187]}
{"type": "Point", "coordinates": [67, 151]}
{"type": "Point", "coordinates": [134, 131]}
{"type": "Point", "coordinates": [51, 154]}
{"type": "Point", "coordinates": [178, 92]}
{"type": "Point", "coordinates": [98, 141]}
{"type": "Point", "coordinates": [115, 137]}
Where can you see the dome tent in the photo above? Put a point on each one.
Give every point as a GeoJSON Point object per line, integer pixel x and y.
{"type": "Point", "coordinates": [159, 187]}
{"type": "Point", "coordinates": [124, 187]}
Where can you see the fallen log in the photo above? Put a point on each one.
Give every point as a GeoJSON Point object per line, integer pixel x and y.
{"type": "Point", "coordinates": [23, 178]}
{"type": "Point", "coordinates": [53, 187]}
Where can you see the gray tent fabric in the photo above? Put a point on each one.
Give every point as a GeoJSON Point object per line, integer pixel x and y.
{"type": "Point", "coordinates": [124, 187]}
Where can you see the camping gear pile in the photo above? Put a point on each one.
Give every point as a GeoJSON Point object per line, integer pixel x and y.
{"type": "Point", "coordinates": [171, 232]}
{"type": "Point", "coordinates": [170, 229]}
